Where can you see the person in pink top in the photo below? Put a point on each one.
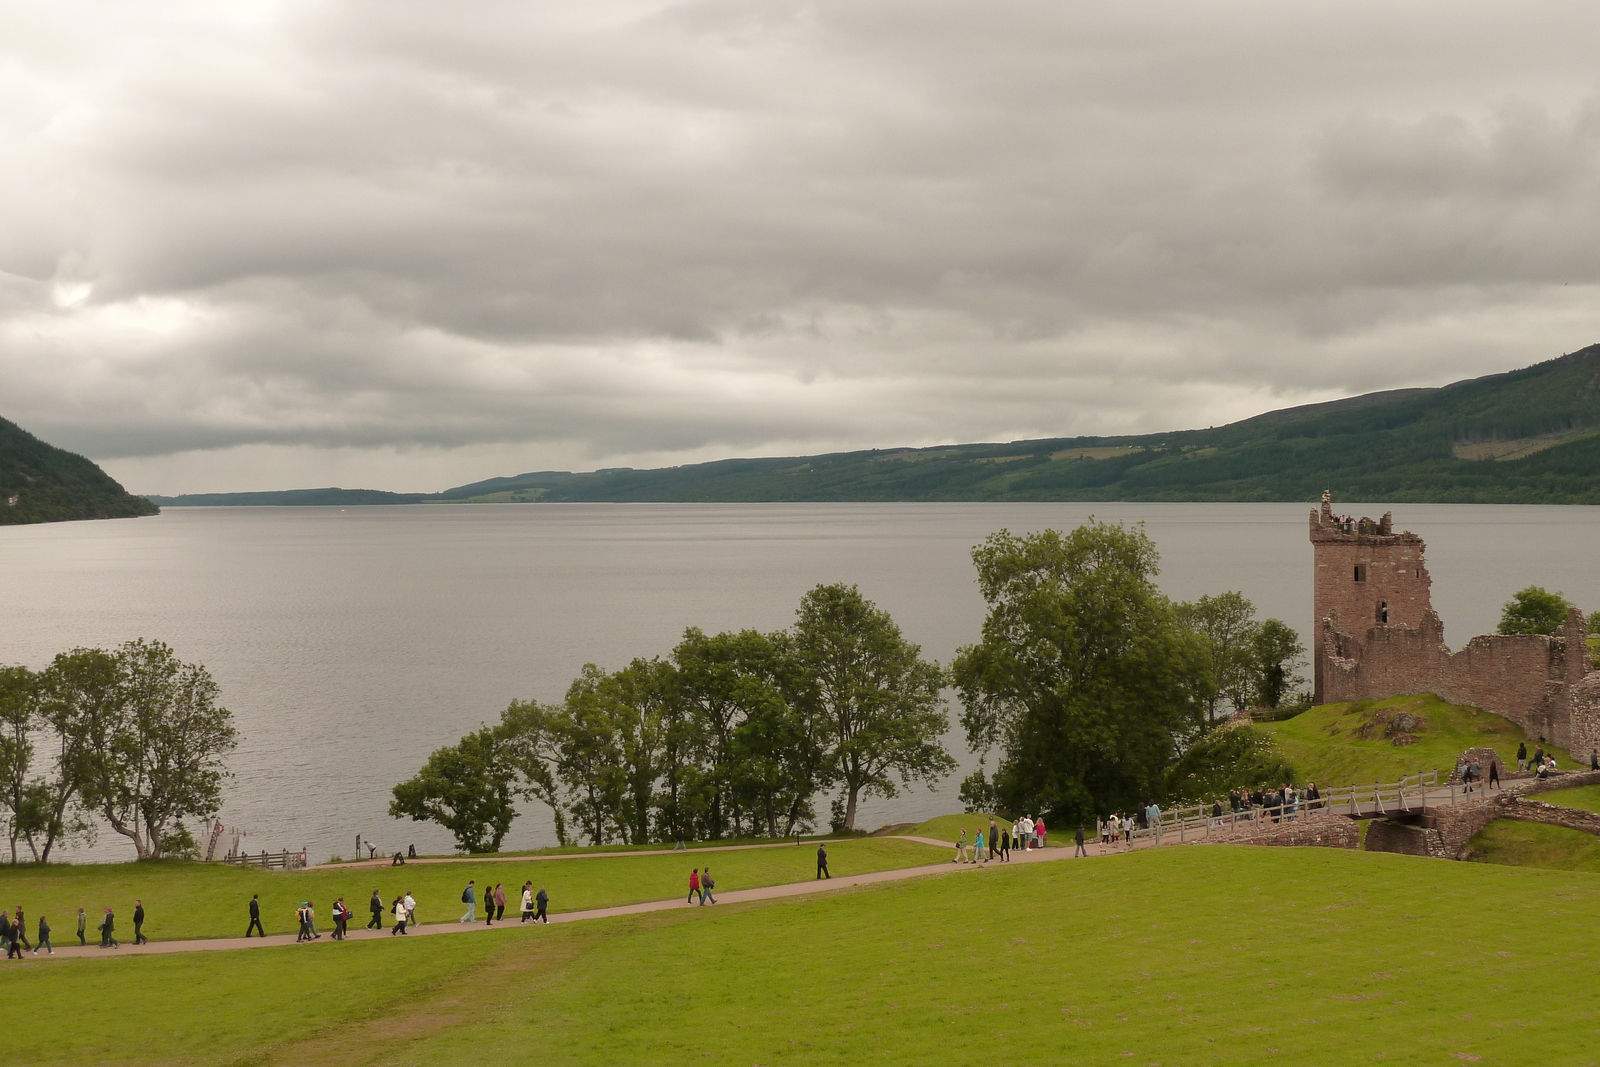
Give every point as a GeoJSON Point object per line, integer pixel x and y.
{"type": "Point", "coordinates": [1039, 831]}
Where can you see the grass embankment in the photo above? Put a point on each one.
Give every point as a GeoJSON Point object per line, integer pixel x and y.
{"type": "Point", "coordinates": [1327, 746]}
{"type": "Point", "coordinates": [1531, 844]}
{"type": "Point", "coordinates": [949, 827]}
{"type": "Point", "coordinates": [193, 900]}
{"type": "Point", "coordinates": [1200, 956]}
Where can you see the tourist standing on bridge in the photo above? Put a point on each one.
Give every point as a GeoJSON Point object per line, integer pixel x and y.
{"type": "Point", "coordinates": [1494, 773]}
{"type": "Point", "coordinates": [822, 861]}
{"type": "Point", "coordinates": [375, 906]}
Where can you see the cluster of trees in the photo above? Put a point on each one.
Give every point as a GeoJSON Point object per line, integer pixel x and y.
{"type": "Point", "coordinates": [731, 735]}
{"type": "Point", "coordinates": [1534, 610]}
{"type": "Point", "coordinates": [133, 736]}
{"type": "Point", "coordinates": [1093, 687]}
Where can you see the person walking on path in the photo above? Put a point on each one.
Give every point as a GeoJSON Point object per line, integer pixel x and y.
{"type": "Point", "coordinates": [108, 928]}
{"type": "Point", "coordinates": [5, 930]}
{"type": "Point", "coordinates": [138, 924]}
{"type": "Point", "coordinates": [527, 902]}
{"type": "Point", "coordinates": [1005, 846]}
{"type": "Point", "coordinates": [822, 862]}
{"type": "Point", "coordinates": [1080, 850]}
{"type": "Point", "coordinates": [678, 844]}
{"type": "Point", "coordinates": [977, 849]}
{"type": "Point", "coordinates": [401, 915]}
{"type": "Point", "coordinates": [499, 902]}
{"type": "Point", "coordinates": [311, 920]}
{"type": "Point", "coordinates": [488, 904]}
{"type": "Point", "coordinates": [21, 924]}
{"type": "Point", "coordinates": [304, 923]}
{"type": "Point", "coordinates": [44, 939]}
{"type": "Point", "coordinates": [543, 900]}
{"type": "Point", "coordinates": [706, 886]}
{"type": "Point", "coordinates": [255, 917]}
{"type": "Point", "coordinates": [469, 897]}
{"type": "Point", "coordinates": [341, 920]}
{"type": "Point", "coordinates": [994, 838]}
{"type": "Point", "coordinates": [1522, 756]}
{"type": "Point", "coordinates": [13, 940]}
{"type": "Point", "coordinates": [411, 910]}
{"type": "Point", "coordinates": [83, 927]}
{"type": "Point", "coordinates": [375, 906]}
{"type": "Point", "coordinates": [694, 887]}
{"type": "Point", "coordinates": [1494, 774]}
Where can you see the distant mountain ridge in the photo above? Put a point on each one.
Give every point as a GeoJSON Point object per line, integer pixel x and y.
{"type": "Point", "coordinates": [1529, 436]}
{"type": "Point", "coordinates": [42, 483]}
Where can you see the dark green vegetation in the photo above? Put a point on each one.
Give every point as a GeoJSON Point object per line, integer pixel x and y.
{"type": "Point", "coordinates": [1098, 692]}
{"type": "Point", "coordinates": [42, 483]}
{"type": "Point", "coordinates": [1533, 611]}
{"type": "Point", "coordinates": [133, 737]}
{"type": "Point", "coordinates": [291, 498]}
{"type": "Point", "coordinates": [186, 900]}
{"type": "Point", "coordinates": [1354, 743]}
{"type": "Point", "coordinates": [1530, 436]}
{"type": "Point", "coordinates": [733, 735]}
{"type": "Point", "coordinates": [1344, 957]}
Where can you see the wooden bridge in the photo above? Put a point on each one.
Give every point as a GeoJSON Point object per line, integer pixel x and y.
{"type": "Point", "coordinates": [283, 861]}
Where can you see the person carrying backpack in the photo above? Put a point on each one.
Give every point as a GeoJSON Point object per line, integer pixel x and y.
{"type": "Point", "coordinates": [469, 897]}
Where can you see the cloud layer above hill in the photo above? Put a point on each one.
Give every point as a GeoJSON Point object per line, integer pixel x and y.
{"type": "Point", "coordinates": [406, 245]}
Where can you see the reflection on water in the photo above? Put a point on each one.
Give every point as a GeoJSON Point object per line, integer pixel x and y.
{"type": "Point", "coordinates": [350, 643]}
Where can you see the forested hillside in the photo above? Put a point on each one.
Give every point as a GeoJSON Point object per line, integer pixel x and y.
{"type": "Point", "coordinates": [42, 483]}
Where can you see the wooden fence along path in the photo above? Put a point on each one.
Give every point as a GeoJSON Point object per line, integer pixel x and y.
{"type": "Point", "coordinates": [1412, 793]}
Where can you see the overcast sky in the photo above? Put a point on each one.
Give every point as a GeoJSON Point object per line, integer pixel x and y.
{"type": "Point", "coordinates": [260, 245]}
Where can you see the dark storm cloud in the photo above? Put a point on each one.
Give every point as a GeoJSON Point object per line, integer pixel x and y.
{"type": "Point", "coordinates": [562, 235]}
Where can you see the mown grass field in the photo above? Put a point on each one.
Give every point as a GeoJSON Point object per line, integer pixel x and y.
{"type": "Point", "coordinates": [1198, 956]}
{"type": "Point", "coordinates": [1325, 745]}
{"type": "Point", "coordinates": [194, 900]}
{"type": "Point", "coordinates": [1586, 797]}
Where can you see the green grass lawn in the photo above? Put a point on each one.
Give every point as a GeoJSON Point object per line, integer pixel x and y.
{"type": "Point", "coordinates": [1199, 956]}
{"type": "Point", "coordinates": [1532, 844]}
{"type": "Point", "coordinates": [1586, 797]}
{"type": "Point", "coordinates": [1325, 747]}
{"type": "Point", "coordinates": [189, 900]}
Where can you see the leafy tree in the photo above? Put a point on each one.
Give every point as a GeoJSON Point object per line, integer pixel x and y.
{"type": "Point", "coordinates": [19, 705]}
{"type": "Point", "coordinates": [977, 794]}
{"type": "Point", "coordinates": [157, 757]}
{"type": "Point", "coordinates": [82, 704]}
{"type": "Point", "coordinates": [1275, 653]}
{"type": "Point", "coordinates": [531, 733]}
{"type": "Point", "coordinates": [468, 788]}
{"type": "Point", "coordinates": [777, 753]}
{"type": "Point", "coordinates": [1085, 678]}
{"type": "Point", "coordinates": [1227, 624]}
{"type": "Point", "coordinates": [1228, 757]}
{"type": "Point", "coordinates": [1534, 611]}
{"type": "Point", "coordinates": [877, 700]}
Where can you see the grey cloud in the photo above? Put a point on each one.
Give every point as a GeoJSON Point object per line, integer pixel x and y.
{"type": "Point", "coordinates": [626, 229]}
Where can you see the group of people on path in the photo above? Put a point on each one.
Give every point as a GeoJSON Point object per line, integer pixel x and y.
{"type": "Point", "coordinates": [494, 903]}
{"type": "Point", "coordinates": [701, 884]}
{"type": "Point", "coordinates": [14, 931]}
{"type": "Point", "coordinates": [1026, 834]}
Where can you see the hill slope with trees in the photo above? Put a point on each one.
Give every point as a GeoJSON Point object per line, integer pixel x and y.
{"type": "Point", "coordinates": [42, 483]}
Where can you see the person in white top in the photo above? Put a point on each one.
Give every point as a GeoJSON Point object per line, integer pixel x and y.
{"type": "Point", "coordinates": [1027, 833]}
{"type": "Point", "coordinates": [527, 901]}
{"type": "Point", "coordinates": [411, 908]}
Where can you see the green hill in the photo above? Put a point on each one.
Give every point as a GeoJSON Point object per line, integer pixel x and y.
{"type": "Point", "coordinates": [289, 498]}
{"type": "Point", "coordinates": [1529, 436]}
{"type": "Point", "coordinates": [42, 483]}
{"type": "Point", "coordinates": [1354, 744]}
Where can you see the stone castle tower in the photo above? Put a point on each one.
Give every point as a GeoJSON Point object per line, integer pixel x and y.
{"type": "Point", "coordinates": [1366, 575]}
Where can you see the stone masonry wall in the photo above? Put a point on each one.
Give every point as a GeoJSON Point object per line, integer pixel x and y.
{"type": "Point", "coordinates": [1317, 829]}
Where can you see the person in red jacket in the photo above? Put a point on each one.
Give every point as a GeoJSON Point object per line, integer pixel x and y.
{"type": "Point", "coordinates": [694, 887]}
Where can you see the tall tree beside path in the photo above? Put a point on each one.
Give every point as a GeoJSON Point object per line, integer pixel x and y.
{"type": "Point", "coordinates": [532, 734]}
{"type": "Point", "coordinates": [1276, 652]}
{"type": "Point", "coordinates": [468, 788]}
{"type": "Point", "coordinates": [877, 701]}
{"type": "Point", "coordinates": [1085, 679]}
{"type": "Point", "coordinates": [81, 697]}
{"type": "Point", "coordinates": [162, 760]}
{"type": "Point", "coordinates": [19, 712]}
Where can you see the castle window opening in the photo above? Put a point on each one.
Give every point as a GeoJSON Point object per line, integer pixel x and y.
{"type": "Point", "coordinates": [1383, 613]}
{"type": "Point", "coordinates": [1361, 573]}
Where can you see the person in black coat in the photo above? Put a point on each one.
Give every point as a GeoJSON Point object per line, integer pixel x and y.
{"type": "Point", "coordinates": [138, 923]}
{"type": "Point", "coordinates": [543, 901]}
{"type": "Point", "coordinates": [375, 905]}
{"type": "Point", "coordinates": [255, 917]}
{"type": "Point", "coordinates": [822, 862]}
{"type": "Point", "coordinates": [108, 927]}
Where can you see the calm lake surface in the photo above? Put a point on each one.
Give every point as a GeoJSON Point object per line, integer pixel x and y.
{"type": "Point", "coordinates": [350, 643]}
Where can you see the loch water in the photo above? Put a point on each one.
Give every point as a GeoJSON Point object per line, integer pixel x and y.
{"type": "Point", "coordinates": [350, 643]}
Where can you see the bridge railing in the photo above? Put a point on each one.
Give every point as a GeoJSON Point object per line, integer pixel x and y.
{"type": "Point", "coordinates": [283, 861]}
{"type": "Point", "coordinates": [1416, 791]}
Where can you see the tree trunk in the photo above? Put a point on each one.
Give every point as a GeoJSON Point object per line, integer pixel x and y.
{"type": "Point", "coordinates": [850, 807]}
